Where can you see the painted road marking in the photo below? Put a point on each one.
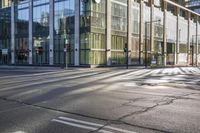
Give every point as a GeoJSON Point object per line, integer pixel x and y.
{"type": "Point", "coordinates": [80, 126]}
{"type": "Point", "coordinates": [89, 125]}
{"type": "Point", "coordinates": [19, 132]}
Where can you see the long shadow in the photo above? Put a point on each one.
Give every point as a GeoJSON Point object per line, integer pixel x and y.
{"type": "Point", "coordinates": [46, 78]}
{"type": "Point", "coordinates": [60, 91]}
{"type": "Point", "coordinates": [52, 82]}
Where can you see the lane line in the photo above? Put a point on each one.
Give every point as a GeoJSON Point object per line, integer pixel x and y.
{"type": "Point", "coordinates": [80, 121]}
{"type": "Point", "coordinates": [80, 126]}
{"type": "Point", "coordinates": [94, 124]}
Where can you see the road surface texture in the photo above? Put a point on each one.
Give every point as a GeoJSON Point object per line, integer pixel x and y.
{"type": "Point", "coordinates": [100, 100]}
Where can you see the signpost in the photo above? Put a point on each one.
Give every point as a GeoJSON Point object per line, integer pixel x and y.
{"type": "Point", "coordinates": [65, 57]}
{"type": "Point", "coordinates": [4, 51]}
{"type": "Point", "coordinates": [65, 53]}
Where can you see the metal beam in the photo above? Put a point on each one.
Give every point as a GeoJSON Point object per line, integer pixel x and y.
{"type": "Point", "coordinates": [141, 38]}
{"type": "Point", "coordinates": [165, 33]}
{"type": "Point", "coordinates": [177, 36]}
{"type": "Point", "coordinates": [77, 33]}
{"type": "Point", "coordinates": [13, 33]}
{"type": "Point", "coordinates": [181, 7]}
{"type": "Point", "coordinates": [108, 32]}
{"type": "Point", "coordinates": [51, 33]}
{"type": "Point", "coordinates": [30, 31]}
{"type": "Point", "coordinates": [188, 39]}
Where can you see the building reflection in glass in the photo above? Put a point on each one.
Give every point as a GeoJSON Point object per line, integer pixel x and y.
{"type": "Point", "coordinates": [5, 34]}
{"type": "Point", "coordinates": [92, 32]}
{"type": "Point", "coordinates": [119, 31]}
{"type": "Point", "coordinates": [64, 31]}
{"type": "Point", "coordinates": [41, 31]}
{"type": "Point", "coordinates": [21, 31]}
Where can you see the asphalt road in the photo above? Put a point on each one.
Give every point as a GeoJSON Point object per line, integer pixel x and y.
{"type": "Point", "coordinates": [100, 100]}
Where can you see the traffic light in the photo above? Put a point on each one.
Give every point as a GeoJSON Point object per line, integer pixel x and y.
{"type": "Point", "coordinates": [125, 50]}
{"type": "Point", "coordinates": [68, 47]}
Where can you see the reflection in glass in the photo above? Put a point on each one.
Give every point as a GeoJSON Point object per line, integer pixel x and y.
{"type": "Point", "coordinates": [92, 32]}
{"type": "Point", "coordinates": [64, 31]}
{"type": "Point", "coordinates": [21, 32]}
{"type": "Point", "coordinates": [41, 31]}
{"type": "Point", "coordinates": [119, 31]}
{"type": "Point", "coordinates": [5, 35]}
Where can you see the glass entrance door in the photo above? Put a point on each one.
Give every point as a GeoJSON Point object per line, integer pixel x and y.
{"type": "Point", "coordinates": [4, 58]}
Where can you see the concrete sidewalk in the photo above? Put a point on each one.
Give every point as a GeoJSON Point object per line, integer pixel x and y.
{"type": "Point", "coordinates": [42, 68]}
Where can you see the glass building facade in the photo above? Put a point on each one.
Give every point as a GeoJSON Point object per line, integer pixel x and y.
{"type": "Point", "coordinates": [21, 32]}
{"type": "Point", "coordinates": [64, 30]}
{"type": "Point", "coordinates": [98, 32]}
{"type": "Point", "coordinates": [118, 31]}
{"type": "Point", "coordinates": [5, 32]}
{"type": "Point", "coordinates": [92, 32]}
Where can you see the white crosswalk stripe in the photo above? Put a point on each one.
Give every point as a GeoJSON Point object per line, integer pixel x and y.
{"type": "Point", "coordinates": [89, 125]}
{"type": "Point", "coordinates": [160, 72]}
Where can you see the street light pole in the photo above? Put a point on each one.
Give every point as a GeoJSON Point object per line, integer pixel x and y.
{"type": "Point", "coordinates": [127, 34]}
{"type": "Point", "coordinates": [145, 45]}
{"type": "Point", "coordinates": [196, 48]}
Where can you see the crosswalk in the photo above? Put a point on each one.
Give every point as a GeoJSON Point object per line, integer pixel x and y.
{"type": "Point", "coordinates": [73, 78]}
{"type": "Point", "coordinates": [75, 89]}
{"type": "Point", "coordinates": [162, 72]}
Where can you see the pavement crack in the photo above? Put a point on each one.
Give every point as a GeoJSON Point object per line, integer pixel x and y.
{"type": "Point", "coordinates": [131, 101]}
{"type": "Point", "coordinates": [146, 109]}
{"type": "Point", "coordinates": [100, 128]}
{"type": "Point", "coordinates": [146, 127]}
{"type": "Point", "coordinates": [53, 109]}
{"type": "Point", "coordinates": [185, 96]}
{"type": "Point", "coordinates": [165, 101]}
{"type": "Point", "coordinates": [137, 112]}
{"type": "Point", "coordinates": [109, 121]}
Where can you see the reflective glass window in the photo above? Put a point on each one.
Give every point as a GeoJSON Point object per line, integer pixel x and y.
{"type": "Point", "coordinates": [41, 31]}
{"type": "Point", "coordinates": [64, 31]}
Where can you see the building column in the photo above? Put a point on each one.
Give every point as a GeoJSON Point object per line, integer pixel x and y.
{"type": "Point", "coordinates": [197, 40]}
{"type": "Point", "coordinates": [108, 32]}
{"type": "Point", "coordinates": [151, 29]}
{"type": "Point", "coordinates": [51, 32]}
{"type": "Point", "coordinates": [30, 32]}
{"type": "Point", "coordinates": [141, 36]}
{"type": "Point", "coordinates": [188, 40]}
{"type": "Point", "coordinates": [129, 30]}
{"type": "Point", "coordinates": [77, 33]}
{"type": "Point", "coordinates": [177, 37]}
{"type": "Point", "coordinates": [12, 32]}
{"type": "Point", "coordinates": [165, 33]}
